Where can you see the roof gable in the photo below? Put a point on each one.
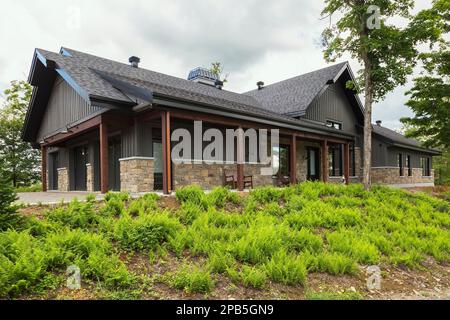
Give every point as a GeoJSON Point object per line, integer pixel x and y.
{"type": "Point", "coordinates": [293, 96]}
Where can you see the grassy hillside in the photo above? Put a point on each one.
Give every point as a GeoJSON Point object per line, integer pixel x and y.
{"type": "Point", "coordinates": [270, 240]}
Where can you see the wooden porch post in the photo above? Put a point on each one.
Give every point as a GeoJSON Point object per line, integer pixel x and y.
{"type": "Point", "coordinates": [44, 168]}
{"type": "Point", "coordinates": [167, 174]}
{"type": "Point", "coordinates": [240, 159]}
{"type": "Point", "coordinates": [104, 172]}
{"type": "Point", "coordinates": [347, 162]}
{"type": "Point", "coordinates": [293, 161]}
{"type": "Point", "coordinates": [325, 160]}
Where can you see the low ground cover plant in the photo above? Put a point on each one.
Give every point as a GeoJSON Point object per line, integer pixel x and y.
{"type": "Point", "coordinates": [270, 235]}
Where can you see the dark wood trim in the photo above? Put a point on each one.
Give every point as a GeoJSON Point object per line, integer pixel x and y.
{"type": "Point", "coordinates": [103, 157]}
{"type": "Point", "coordinates": [148, 116]}
{"type": "Point", "coordinates": [169, 153]}
{"type": "Point", "coordinates": [240, 157]}
{"type": "Point", "coordinates": [347, 162]}
{"type": "Point", "coordinates": [325, 161]}
{"type": "Point", "coordinates": [165, 137]}
{"type": "Point", "coordinates": [293, 155]}
{"type": "Point", "coordinates": [44, 168]}
{"type": "Point", "coordinates": [74, 131]}
{"type": "Point", "coordinates": [246, 124]}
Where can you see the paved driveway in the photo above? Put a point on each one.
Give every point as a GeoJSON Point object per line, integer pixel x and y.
{"type": "Point", "coordinates": [52, 197]}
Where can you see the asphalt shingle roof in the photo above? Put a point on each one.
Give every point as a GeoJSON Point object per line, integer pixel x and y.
{"type": "Point", "coordinates": [273, 101]}
{"type": "Point", "coordinates": [295, 94]}
{"type": "Point", "coordinates": [396, 137]}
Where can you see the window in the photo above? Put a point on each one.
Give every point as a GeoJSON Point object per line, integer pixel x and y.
{"type": "Point", "coordinates": [408, 165]}
{"type": "Point", "coordinates": [425, 163]}
{"type": "Point", "coordinates": [281, 159]}
{"type": "Point", "coordinates": [334, 125]}
{"type": "Point", "coordinates": [335, 161]}
{"type": "Point", "coordinates": [400, 164]}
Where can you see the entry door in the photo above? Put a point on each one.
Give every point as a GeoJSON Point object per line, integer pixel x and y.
{"type": "Point", "coordinates": [313, 164]}
{"type": "Point", "coordinates": [114, 152]}
{"type": "Point", "coordinates": [80, 157]}
{"type": "Point", "coordinates": [53, 172]}
{"type": "Point", "coordinates": [158, 165]}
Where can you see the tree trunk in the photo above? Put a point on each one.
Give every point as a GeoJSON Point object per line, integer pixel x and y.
{"type": "Point", "coordinates": [368, 99]}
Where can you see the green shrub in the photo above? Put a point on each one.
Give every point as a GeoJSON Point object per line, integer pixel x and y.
{"type": "Point", "coordinates": [253, 277]}
{"type": "Point", "coordinates": [8, 211]}
{"type": "Point", "coordinates": [192, 279]}
{"type": "Point", "coordinates": [220, 196]}
{"type": "Point", "coordinates": [145, 232]}
{"type": "Point", "coordinates": [336, 263]}
{"type": "Point", "coordinates": [22, 262]}
{"type": "Point", "coordinates": [192, 194]}
{"type": "Point", "coordinates": [261, 241]}
{"type": "Point", "coordinates": [348, 243]}
{"type": "Point", "coordinates": [90, 252]}
{"type": "Point", "coordinates": [37, 187]}
{"type": "Point", "coordinates": [304, 240]}
{"type": "Point", "coordinates": [121, 196]}
{"type": "Point", "coordinates": [265, 195]}
{"type": "Point", "coordinates": [75, 215]}
{"type": "Point", "coordinates": [188, 212]}
{"type": "Point", "coordinates": [219, 261]}
{"type": "Point", "coordinates": [286, 268]}
{"type": "Point", "coordinates": [144, 205]}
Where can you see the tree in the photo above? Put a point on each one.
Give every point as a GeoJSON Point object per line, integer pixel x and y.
{"type": "Point", "coordinates": [8, 211]}
{"type": "Point", "coordinates": [430, 102]}
{"type": "Point", "coordinates": [19, 162]}
{"type": "Point", "coordinates": [217, 69]}
{"type": "Point", "coordinates": [387, 52]}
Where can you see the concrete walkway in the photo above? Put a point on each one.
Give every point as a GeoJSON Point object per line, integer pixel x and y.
{"type": "Point", "coordinates": [53, 197]}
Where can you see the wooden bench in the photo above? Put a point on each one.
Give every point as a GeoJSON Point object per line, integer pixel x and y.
{"type": "Point", "coordinates": [229, 180]}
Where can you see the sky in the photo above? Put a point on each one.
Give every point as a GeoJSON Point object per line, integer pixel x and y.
{"type": "Point", "coordinates": [255, 40]}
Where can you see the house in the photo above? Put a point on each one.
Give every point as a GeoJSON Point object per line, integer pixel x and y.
{"type": "Point", "coordinates": [104, 125]}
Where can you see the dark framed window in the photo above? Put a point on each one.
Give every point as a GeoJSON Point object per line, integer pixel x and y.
{"type": "Point", "coordinates": [425, 163]}
{"type": "Point", "coordinates": [284, 157]}
{"type": "Point", "coordinates": [352, 160]}
{"type": "Point", "coordinates": [400, 164]}
{"type": "Point", "coordinates": [408, 165]}
{"type": "Point", "coordinates": [335, 161]}
{"type": "Point", "coordinates": [334, 124]}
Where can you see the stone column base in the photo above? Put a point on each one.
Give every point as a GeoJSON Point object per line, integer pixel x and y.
{"type": "Point", "coordinates": [89, 178]}
{"type": "Point", "coordinates": [136, 174]}
{"type": "Point", "coordinates": [63, 179]}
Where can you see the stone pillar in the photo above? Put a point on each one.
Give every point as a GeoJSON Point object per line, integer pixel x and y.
{"type": "Point", "coordinates": [63, 179]}
{"type": "Point", "coordinates": [136, 174]}
{"type": "Point", "coordinates": [89, 177]}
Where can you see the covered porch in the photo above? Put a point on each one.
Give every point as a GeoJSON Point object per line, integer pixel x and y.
{"type": "Point", "coordinates": [129, 152]}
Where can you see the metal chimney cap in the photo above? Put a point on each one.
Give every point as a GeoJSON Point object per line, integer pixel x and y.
{"type": "Point", "coordinates": [260, 85]}
{"type": "Point", "coordinates": [134, 61]}
{"type": "Point", "coordinates": [379, 122]}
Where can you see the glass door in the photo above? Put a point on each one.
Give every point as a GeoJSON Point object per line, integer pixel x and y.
{"type": "Point", "coordinates": [313, 172]}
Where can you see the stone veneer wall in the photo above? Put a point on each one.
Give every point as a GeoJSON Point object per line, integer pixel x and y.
{"type": "Point", "coordinates": [89, 177]}
{"type": "Point", "coordinates": [63, 179]}
{"type": "Point", "coordinates": [390, 175]}
{"type": "Point", "coordinates": [210, 175]}
{"type": "Point", "coordinates": [259, 180]}
{"type": "Point", "coordinates": [136, 174]}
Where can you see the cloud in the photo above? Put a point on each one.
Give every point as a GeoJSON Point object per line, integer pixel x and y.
{"type": "Point", "coordinates": [254, 40]}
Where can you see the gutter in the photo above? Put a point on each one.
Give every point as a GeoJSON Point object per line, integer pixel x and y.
{"type": "Point", "coordinates": [431, 151]}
